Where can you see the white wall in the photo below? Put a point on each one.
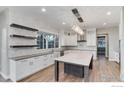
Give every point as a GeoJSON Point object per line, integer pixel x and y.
{"type": "Point", "coordinates": [22, 18]}
{"type": "Point", "coordinates": [0, 42]}
{"type": "Point", "coordinates": [3, 53]}
{"type": "Point", "coordinates": [113, 36]}
{"type": "Point", "coordinates": [121, 36]}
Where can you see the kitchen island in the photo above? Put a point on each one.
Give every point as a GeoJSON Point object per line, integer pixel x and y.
{"type": "Point", "coordinates": [83, 59]}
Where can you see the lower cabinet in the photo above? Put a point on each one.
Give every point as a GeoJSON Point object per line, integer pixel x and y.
{"type": "Point", "coordinates": [19, 69]}
{"type": "Point", "coordinates": [23, 68]}
{"type": "Point", "coordinates": [25, 65]}
{"type": "Point", "coordinates": [56, 54]}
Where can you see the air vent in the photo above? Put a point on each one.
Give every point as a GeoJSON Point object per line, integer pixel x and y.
{"type": "Point", "coordinates": [76, 13]}
{"type": "Point", "coordinates": [80, 19]}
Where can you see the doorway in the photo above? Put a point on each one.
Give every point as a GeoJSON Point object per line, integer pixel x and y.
{"type": "Point", "coordinates": [102, 45]}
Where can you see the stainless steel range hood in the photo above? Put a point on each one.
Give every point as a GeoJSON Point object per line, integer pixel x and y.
{"type": "Point", "coordinates": [81, 38]}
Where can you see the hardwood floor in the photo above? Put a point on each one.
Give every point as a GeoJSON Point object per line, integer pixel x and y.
{"type": "Point", "coordinates": [103, 71]}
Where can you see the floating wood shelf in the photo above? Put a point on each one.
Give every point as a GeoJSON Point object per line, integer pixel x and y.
{"type": "Point", "coordinates": [23, 27]}
{"type": "Point", "coordinates": [81, 41]}
{"type": "Point", "coordinates": [22, 46]}
{"type": "Point", "coordinates": [21, 36]}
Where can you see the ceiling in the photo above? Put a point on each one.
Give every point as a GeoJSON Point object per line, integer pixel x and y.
{"type": "Point", "coordinates": [93, 16]}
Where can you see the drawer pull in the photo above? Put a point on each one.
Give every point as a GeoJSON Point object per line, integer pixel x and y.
{"type": "Point", "coordinates": [30, 63]}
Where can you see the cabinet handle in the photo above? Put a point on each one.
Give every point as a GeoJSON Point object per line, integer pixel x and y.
{"type": "Point", "coordinates": [30, 63]}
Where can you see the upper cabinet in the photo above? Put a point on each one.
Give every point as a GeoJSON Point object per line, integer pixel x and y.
{"type": "Point", "coordinates": [91, 37]}
{"type": "Point", "coordinates": [68, 39]}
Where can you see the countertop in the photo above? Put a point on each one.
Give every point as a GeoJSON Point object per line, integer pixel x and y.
{"type": "Point", "coordinates": [80, 50]}
{"type": "Point", "coordinates": [78, 58]}
{"type": "Point", "coordinates": [43, 52]}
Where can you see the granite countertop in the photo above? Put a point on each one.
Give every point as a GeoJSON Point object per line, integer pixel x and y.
{"type": "Point", "coordinates": [29, 56]}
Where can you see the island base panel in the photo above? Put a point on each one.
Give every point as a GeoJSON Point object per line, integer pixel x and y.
{"type": "Point", "coordinates": [56, 71]}
{"type": "Point", "coordinates": [75, 70]}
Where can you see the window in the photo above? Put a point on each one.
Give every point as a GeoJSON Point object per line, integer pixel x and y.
{"type": "Point", "coordinates": [56, 41]}
{"type": "Point", "coordinates": [40, 41]}
{"type": "Point", "coordinates": [44, 43]}
{"type": "Point", "coordinates": [50, 40]}
{"type": "Point", "coordinates": [47, 40]}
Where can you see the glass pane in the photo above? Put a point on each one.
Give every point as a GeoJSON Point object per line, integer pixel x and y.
{"type": "Point", "coordinates": [50, 39]}
{"type": "Point", "coordinates": [56, 42]}
{"type": "Point", "coordinates": [44, 43]}
{"type": "Point", "coordinates": [101, 42]}
{"type": "Point", "coordinates": [40, 41]}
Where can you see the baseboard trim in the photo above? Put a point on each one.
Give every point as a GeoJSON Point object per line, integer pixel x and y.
{"type": "Point", "coordinates": [111, 59]}
{"type": "Point", "coordinates": [121, 78]}
{"type": "Point", "coordinates": [4, 76]}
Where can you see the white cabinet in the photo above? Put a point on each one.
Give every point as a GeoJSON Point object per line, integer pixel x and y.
{"type": "Point", "coordinates": [56, 54]}
{"type": "Point", "coordinates": [19, 69]}
{"type": "Point", "coordinates": [36, 64]}
{"type": "Point", "coordinates": [66, 52]}
{"type": "Point", "coordinates": [23, 68]}
{"type": "Point", "coordinates": [94, 55]}
{"type": "Point", "coordinates": [22, 64]}
{"type": "Point", "coordinates": [69, 39]}
{"type": "Point", "coordinates": [91, 37]}
{"type": "Point", "coordinates": [49, 60]}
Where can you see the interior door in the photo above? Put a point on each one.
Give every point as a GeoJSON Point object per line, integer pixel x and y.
{"type": "Point", "coordinates": [101, 45]}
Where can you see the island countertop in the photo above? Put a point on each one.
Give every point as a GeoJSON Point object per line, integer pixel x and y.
{"type": "Point", "coordinates": [79, 58]}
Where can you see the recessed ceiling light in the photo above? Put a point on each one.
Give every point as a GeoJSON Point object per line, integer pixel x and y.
{"type": "Point", "coordinates": [104, 24]}
{"type": "Point", "coordinates": [43, 10]}
{"type": "Point", "coordinates": [108, 13]}
{"type": "Point", "coordinates": [63, 23]}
